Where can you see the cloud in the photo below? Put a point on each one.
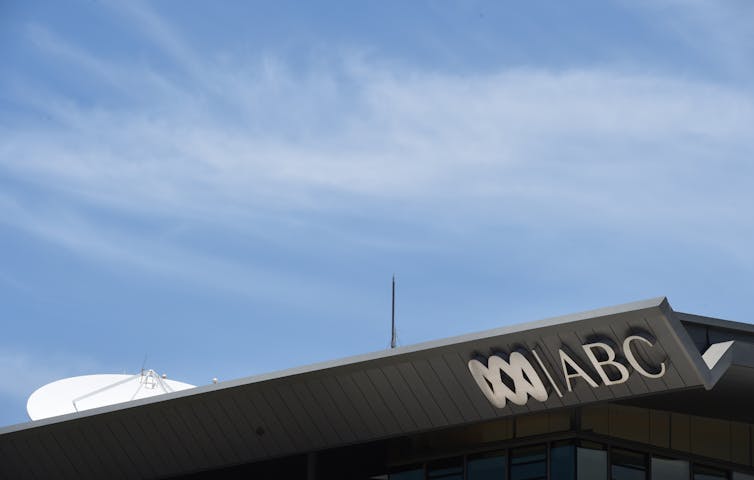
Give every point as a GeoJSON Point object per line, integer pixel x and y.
{"type": "Point", "coordinates": [256, 140]}
{"type": "Point", "coordinates": [720, 32]}
{"type": "Point", "coordinates": [127, 250]}
{"type": "Point", "coordinates": [403, 133]}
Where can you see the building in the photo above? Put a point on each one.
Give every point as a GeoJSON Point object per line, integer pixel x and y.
{"type": "Point", "coordinates": [636, 391]}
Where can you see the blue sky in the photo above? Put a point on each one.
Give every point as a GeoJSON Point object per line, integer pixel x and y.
{"type": "Point", "coordinates": [227, 190]}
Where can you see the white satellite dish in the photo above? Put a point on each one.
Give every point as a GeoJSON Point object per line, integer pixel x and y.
{"type": "Point", "coordinates": [76, 394]}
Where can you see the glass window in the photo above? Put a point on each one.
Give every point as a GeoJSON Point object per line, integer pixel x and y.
{"type": "Point", "coordinates": [563, 461]}
{"type": "Point", "coordinates": [413, 474]}
{"type": "Point", "coordinates": [451, 469]}
{"type": "Point", "coordinates": [669, 469]}
{"type": "Point", "coordinates": [529, 463]}
{"type": "Point", "coordinates": [591, 461]}
{"type": "Point", "coordinates": [706, 473]}
{"type": "Point", "coordinates": [487, 467]}
{"type": "Point", "coordinates": [626, 465]}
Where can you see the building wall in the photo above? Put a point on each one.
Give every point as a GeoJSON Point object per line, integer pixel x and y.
{"type": "Point", "coordinates": [705, 437]}
{"type": "Point", "coordinates": [699, 438]}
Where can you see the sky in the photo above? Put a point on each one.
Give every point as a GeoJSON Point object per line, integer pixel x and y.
{"type": "Point", "coordinates": [225, 189]}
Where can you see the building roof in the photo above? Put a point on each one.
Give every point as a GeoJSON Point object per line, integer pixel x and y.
{"type": "Point", "coordinates": [380, 395]}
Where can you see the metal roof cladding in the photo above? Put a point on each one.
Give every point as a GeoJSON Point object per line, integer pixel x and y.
{"type": "Point", "coordinates": [380, 395]}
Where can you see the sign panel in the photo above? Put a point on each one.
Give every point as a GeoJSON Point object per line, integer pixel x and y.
{"type": "Point", "coordinates": [517, 379]}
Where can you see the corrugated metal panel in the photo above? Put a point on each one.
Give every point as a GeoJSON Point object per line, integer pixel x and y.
{"type": "Point", "coordinates": [420, 391]}
{"type": "Point", "coordinates": [444, 400]}
{"type": "Point", "coordinates": [382, 413]}
{"type": "Point", "coordinates": [298, 415]}
{"type": "Point", "coordinates": [314, 411]}
{"type": "Point", "coordinates": [457, 368]}
{"type": "Point", "coordinates": [236, 420]}
{"type": "Point", "coordinates": [391, 400]}
{"type": "Point", "coordinates": [188, 439]}
{"type": "Point", "coordinates": [229, 429]}
{"type": "Point", "coordinates": [352, 393]}
{"type": "Point", "coordinates": [131, 450]}
{"type": "Point", "coordinates": [30, 449]}
{"type": "Point", "coordinates": [455, 390]}
{"type": "Point", "coordinates": [79, 448]}
{"type": "Point", "coordinates": [281, 441]}
{"type": "Point", "coordinates": [355, 421]}
{"type": "Point", "coordinates": [111, 457]}
{"type": "Point", "coordinates": [272, 401]}
{"type": "Point", "coordinates": [154, 426]}
{"type": "Point", "coordinates": [330, 412]}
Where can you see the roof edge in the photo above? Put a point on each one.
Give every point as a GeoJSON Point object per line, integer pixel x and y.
{"type": "Point", "coordinates": [656, 302]}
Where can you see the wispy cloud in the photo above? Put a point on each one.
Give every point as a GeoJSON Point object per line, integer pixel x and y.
{"type": "Point", "coordinates": [159, 255]}
{"type": "Point", "coordinates": [722, 33]}
{"type": "Point", "coordinates": [258, 140]}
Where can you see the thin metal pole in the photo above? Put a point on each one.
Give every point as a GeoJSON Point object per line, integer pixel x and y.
{"type": "Point", "coordinates": [393, 337]}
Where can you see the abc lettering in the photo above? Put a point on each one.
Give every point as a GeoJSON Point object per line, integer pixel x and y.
{"type": "Point", "coordinates": [523, 380]}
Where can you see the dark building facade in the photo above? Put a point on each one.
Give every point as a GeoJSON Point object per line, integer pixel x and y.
{"type": "Point", "coordinates": [637, 391]}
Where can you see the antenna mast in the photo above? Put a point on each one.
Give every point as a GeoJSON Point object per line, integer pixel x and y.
{"type": "Point", "coordinates": [393, 337]}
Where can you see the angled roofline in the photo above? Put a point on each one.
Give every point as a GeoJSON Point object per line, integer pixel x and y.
{"type": "Point", "coordinates": [392, 392]}
{"type": "Point", "coordinates": [656, 302]}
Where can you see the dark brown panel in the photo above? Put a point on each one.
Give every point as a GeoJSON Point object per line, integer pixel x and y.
{"type": "Point", "coordinates": [629, 423]}
{"type": "Point", "coordinates": [680, 432]}
{"type": "Point", "coordinates": [710, 437]}
{"type": "Point", "coordinates": [659, 428]}
{"type": "Point", "coordinates": [740, 447]}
